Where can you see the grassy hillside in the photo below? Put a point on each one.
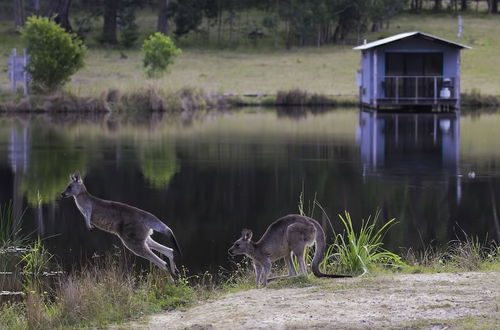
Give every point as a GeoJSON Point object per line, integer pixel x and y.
{"type": "Point", "coordinates": [264, 69]}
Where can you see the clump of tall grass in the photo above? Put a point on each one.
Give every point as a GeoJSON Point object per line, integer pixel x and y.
{"type": "Point", "coordinates": [467, 254]}
{"type": "Point", "coordinates": [355, 252]}
{"type": "Point", "coordinates": [426, 258]}
{"type": "Point", "coordinates": [475, 99]}
{"type": "Point", "coordinates": [36, 263]}
{"type": "Point", "coordinates": [100, 294]}
{"type": "Point", "coordinates": [185, 99]}
{"type": "Point", "coordinates": [298, 97]}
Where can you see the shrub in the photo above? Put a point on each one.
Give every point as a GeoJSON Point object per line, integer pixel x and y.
{"type": "Point", "coordinates": [55, 54]}
{"type": "Point", "coordinates": [159, 52]}
{"type": "Point", "coordinates": [357, 251]}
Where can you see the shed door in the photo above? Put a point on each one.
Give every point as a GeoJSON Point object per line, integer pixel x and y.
{"type": "Point", "coordinates": [412, 70]}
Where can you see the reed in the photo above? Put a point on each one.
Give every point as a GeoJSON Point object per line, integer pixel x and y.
{"type": "Point", "coordinates": [10, 227]}
{"type": "Point", "coordinates": [36, 264]}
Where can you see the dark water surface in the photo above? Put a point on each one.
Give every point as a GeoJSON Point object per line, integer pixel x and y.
{"type": "Point", "coordinates": [210, 176]}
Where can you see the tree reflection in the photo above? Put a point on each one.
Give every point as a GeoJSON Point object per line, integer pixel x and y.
{"type": "Point", "coordinates": [52, 157]}
{"type": "Point", "coordinates": [158, 164]}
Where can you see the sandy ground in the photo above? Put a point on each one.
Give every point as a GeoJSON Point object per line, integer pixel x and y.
{"type": "Point", "coordinates": [434, 301]}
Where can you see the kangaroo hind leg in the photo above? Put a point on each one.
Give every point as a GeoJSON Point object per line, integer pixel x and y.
{"type": "Point", "coordinates": [142, 250]}
{"type": "Point", "coordinates": [290, 265]}
{"type": "Point", "coordinates": [168, 252]}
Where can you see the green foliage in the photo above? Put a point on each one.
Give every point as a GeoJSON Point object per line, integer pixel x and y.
{"type": "Point", "coordinates": [159, 53]}
{"type": "Point", "coordinates": [12, 316]}
{"type": "Point", "coordinates": [55, 54]}
{"type": "Point", "coordinates": [356, 252]}
{"type": "Point", "coordinates": [158, 164]}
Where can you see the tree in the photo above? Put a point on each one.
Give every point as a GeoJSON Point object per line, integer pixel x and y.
{"type": "Point", "coordinates": [19, 13]}
{"type": "Point", "coordinates": [494, 6]}
{"type": "Point", "coordinates": [159, 53]}
{"type": "Point", "coordinates": [438, 5]}
{"type": "Point", "coordinates": [464, 5]}
{"type": "Point", "coordinates": [55, 53]}
{"type": "Point", "coordinates": [59, 9]}
{"type": "Point", "coordinates": [109, 28]}
{"type": "Point", "coordinates": [162, 24]}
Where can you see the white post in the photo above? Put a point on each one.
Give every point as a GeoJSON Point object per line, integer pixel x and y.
{"type": "Point", "coordinates": [435, 90]}
{"type": "Point", "coordinates": [397, 90]}
{"type": "Point", "coordinates": [416, 90]}
{"type": "Point", "coordinates": [375, 78]}
{"type": "Point", "coordinates": [460, 27]}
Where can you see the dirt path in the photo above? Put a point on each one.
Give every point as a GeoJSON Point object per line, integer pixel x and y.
{"type": "Point", "coordinates": [421, 300]}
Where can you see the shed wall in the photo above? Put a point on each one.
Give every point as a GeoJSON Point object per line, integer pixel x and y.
{"type": "Point", "coordinates": [366, 76]}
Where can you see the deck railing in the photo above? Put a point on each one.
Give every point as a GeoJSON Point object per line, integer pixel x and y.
{"type": "Point", "coordinates": [417, 88]}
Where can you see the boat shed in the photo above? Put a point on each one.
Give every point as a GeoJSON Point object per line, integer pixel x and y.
{"type": "Point", "coordinates": [410, 70]}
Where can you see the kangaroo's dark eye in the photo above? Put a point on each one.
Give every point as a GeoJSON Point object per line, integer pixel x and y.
{"type": "Point", "coordinates": [237, 244]}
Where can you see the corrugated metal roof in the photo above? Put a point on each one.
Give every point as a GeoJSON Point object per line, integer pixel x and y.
{"type": "Point", "coordinates": [404, 36]}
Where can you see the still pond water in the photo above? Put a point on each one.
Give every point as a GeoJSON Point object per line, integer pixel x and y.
{"type": "Point", "coordinates": [209, 176]}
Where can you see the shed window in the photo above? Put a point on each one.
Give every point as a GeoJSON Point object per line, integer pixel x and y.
{"type": "Point", "coordinates": [414, 64]}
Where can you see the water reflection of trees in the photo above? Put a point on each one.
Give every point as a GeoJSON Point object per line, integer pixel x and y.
{"type": "Point", "coordinates": [158, 163]}
{"type": "Point", "coordinates": [53, 155]}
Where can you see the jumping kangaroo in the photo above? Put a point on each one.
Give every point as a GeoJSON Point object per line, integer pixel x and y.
{"type": "Point", "coordinates": [291, 233]}
{"type": "Point", "coordinates": [132, 225]}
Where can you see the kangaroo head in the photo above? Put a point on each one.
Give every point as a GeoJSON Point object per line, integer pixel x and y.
{"type": "Point", "coordinates": [75, 186]}
{"type": "Point", "coordinates": [243, 245]}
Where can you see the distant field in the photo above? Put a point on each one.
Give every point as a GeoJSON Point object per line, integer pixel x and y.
{"type": "Point", "coordinates": [328, 70]}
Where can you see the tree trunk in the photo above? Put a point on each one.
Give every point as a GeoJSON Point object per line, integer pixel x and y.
{"type": "Point", "coordinates": [494, 6]}
{"type": "Point", "coordinates": [376, 26]}
{"type": "Point", "coordinates": [162, 25]}
{"type": "Point", "coordinates": [437, 5]}
{"type": "Point", "coordinates": [60, 10]}
{"type": "Point", "coordinates": [19, 13]}
{"type": "Point", "coordinates": [110, 20]}
{"type": "Point", "coordinates": [463, 5]}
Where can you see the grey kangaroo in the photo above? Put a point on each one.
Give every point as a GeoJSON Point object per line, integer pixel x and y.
{"type": "Point", "coordinates": [132, 225]}
{"type": "Point", "coordinates": [287, 235]}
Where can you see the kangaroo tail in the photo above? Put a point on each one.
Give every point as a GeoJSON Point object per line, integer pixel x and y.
{"type": "Point", "coordinates": [163, 228]}
{"type": "Point", "coordinates": [319, 254]}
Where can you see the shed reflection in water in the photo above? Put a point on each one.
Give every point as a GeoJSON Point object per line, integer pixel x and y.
{"type": "Point", "coordinates": [405, 143]}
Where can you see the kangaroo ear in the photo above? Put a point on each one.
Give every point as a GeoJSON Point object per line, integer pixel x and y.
{"type": "Point", "coordinates": [72, 177]}
{"type": "Point", "coordinates": [77, 178]}
{"type": "Point", "coordinates": [246, 234]}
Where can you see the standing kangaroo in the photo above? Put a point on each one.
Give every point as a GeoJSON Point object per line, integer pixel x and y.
{"type": "Point", "coordinates": [287, 235]}
{"type": "Point", "coordinates": [132, 225]}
